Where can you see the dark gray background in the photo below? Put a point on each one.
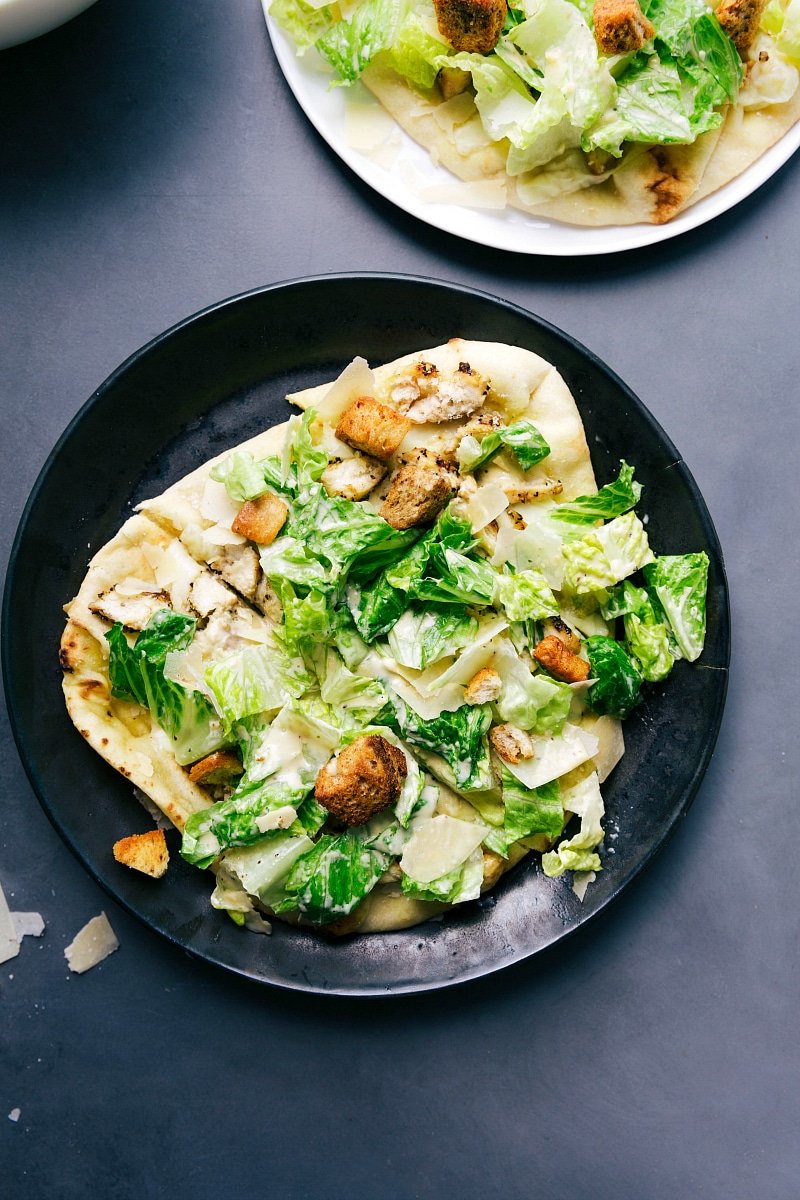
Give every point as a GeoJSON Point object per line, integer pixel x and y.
{"type": "Point", "coordinates": [152, 161]}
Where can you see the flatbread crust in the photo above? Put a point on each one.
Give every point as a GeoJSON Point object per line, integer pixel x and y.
{"type": "Point", "coordinates": [652, 184]}
{"type": "Point", "coordinates": [522, 385]}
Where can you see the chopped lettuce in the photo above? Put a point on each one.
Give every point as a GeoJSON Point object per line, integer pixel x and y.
{"type": "Point", "coordinates": [304, 23]}
{"type": "Point", "coordinates": [423, 636]}
{"type": "Point", "coordinates": [525, 596]}
{"type": "Point", "coordinates": [137, 673]}
{"type": "Point", "coordinates": [262, 869]}
{"type": "Point", "coordinates": [646, 636]}
{"type": "Point", "coordinates": [235, 821]}
{"type": "Point", "coordinates": [349, 46]}
{"type": "Point", "coordinates": [617, 685]}
{"type": "Point", "coordinates": [243, 477]}
{"type": "Point", "coordinates": [680, 582]}
{"type": "Point", "coordinates": [533, 702]}
{"type": "Point", "coordinates": [578, 852]}
{"type": "Point", "coordinates": [527, 811]}
{"type": "Point", "coordinates": [606, 556]}
{"type": "Point", "coordinates": [333, 877]}
{"type": "Point", "coordinates": [258, 678]}
{"type": "Point", "coordinates": [458, 737]}
{"type": "Point", "coordinates": [461, 884]}
{"type": "Point", "coordinates": [611, 501]}
{"type": "Point", "coordinates": [522, 438]}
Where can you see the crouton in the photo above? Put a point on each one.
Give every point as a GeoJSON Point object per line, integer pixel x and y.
{"type": "Point", "coordinates": [620, 26]}
{"type": "Point", "coordinates": [428, 397]}
{"type": "Point", "coordinates": [219, 767]}
{"type": "Point", "coordinates": [418, 493]}
{"type": "Point", "coordinates": [354, 478]}
{"type": "Point", "coordinates": [526, 493]}
{"type": "Point", "coordinates": [484, 687]}
{"type": "Point", "coordinates": [559, 661]}
{"type": "Point", "coordinates": [372, 427]}
{"type": "Point", "coordinates": [238, 566]}
{"type": "Point", "coordinates": [511, 743]}
{"type": "Point", "coordinates": [453, 81]}
{"type": "Point", "coordinates": [555, 627]}
{"type": "Point", "coordinates": [363, 779]}
{"type": "Point", "coordinates": [473, 26]}
{"type": "Point", "coordinates": [493, 867]}
{"type": "Point", "coordinates": [131, 611]}
{"type": "Point", "coordinates": [262, 519]}
{"type": "Point", "coordinates": [145, 852]}
{"type": "Point", "coordinates": [740, 20]}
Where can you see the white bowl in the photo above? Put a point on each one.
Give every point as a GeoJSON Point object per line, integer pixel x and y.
{"type": "Point", "coordinates": [21, 20]}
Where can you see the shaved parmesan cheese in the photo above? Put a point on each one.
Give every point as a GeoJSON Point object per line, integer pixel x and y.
{"type": "Point", "coordinates": [467, 663]}
{"type": "Point", "coordinates": [15, 1115]}
{"type": "Point", "coordinates": [355, 380]}
{"type": "Point", "coordinates": [554, 756]}
{"type": "Point", "coordinates": [222, 535]}
{"type": "Point", "coordinates": [279, 818]}
{"type": "Point", "coordinates": [608, 731]}
{"type": "Point", "coordinates": [28, 924]}
{"type": "Point", "coordinates": [484, 505]}
{"type": "Point", "coordinates": [91, 945]}
{"type": "Point", "coordinates": [581, 881]}
{"type": "Point", "coordinates": [9, 941]}
{"type": "Point", "coordinates": [439, 846]}
{"type": "Point", "coordinates": [175, 570]}
{"type": "Point", "coordinates": [136, 587]}
{"type": "Point", "coordinates": [216, 505]}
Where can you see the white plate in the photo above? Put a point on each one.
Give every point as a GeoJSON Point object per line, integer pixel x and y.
{"type": "Point", "coordinates": [406, 171]}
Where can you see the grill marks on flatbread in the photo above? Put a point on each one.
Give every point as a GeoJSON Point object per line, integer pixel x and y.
{"type": "Point", "coordinates": [521, 385]}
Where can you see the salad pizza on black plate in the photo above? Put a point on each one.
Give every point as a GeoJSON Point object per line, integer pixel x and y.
{"type": "Point", "coordinates": [373, 657]}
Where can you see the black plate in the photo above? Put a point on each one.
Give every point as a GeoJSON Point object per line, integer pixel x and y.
{"type": "Point", "coordinates": [216, 379]}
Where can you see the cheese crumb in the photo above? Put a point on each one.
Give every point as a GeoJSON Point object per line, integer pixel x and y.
{"type": "Point", "coordinates": [15, 1114]}
{"type": "Point", "coordinates": [91, 945]}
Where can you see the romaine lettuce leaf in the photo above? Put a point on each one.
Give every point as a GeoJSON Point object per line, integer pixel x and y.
{"type": "Point", "coordinates": [611, 501]}
{"type": "Point", "coordinates": [414, 51]}
{"type": "Point", "coordinates": [461, 884]}
{"type": "Point", "coordinates": [680, 582]}
{"type": "Point", "coordinates": [523, 438]}
{"type": "Point", "coordinates": [332, 878]}
{"type": "Point", "coordinates": [423, 636]}
{"type": "Point", "coordinates": [535, 703]}
{"type": "Point", "coordinates": [137, 673]}
{"type": "Point", "coordinates": [452, 575]}
{"type": "Point", "coordinates": [646, 636]}
{"type": "Point", "coordinates": [304, 23]}
{"type": "Point", "coordinates": [606, 556]}
{"type": "Point", "coordinates": [458, 737]}
{"type": "Point", "coordinates": [258, 678]}
{"type": "Point", "coordinates": [349, 46]}
{"type": "Point", "coordinates": [261, 869]}
{"type": "Point", "coordinates": [577, 853]}
{"type": "Point", "coordinates": [235, 821]}
{"type": "Point", "coordinates": [527, 811]}
{"type": "Point", "coordinates": [618, 683]}
{"type": "Point", "coordinates": [243, 477]}
{"type": "Point", "coordinates": [525, 596]}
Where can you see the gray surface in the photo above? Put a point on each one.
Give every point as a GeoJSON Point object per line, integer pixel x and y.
{"type": "Point", "coordinates": [153, 161]}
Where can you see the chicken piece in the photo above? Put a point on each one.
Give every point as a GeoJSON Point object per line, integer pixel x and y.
{"type": "Point", "coordinates": [740, 20]}
{"type": "Point", "coordinates": [220, 767]}
{"type": "Point", "coordinates": [363, 779]}
{"type": "Point", "coordinates": [267, 602]}
{"type": "Point", "coordinates": [517, 519]}
{"type": "Point", "coordinates": [418, 493]}
{"type": "Point", "coordinates": [372, 427]}
{"type": "Point", "coordinates": [511, 743]}
{"type": "Point", "coordinates": [620, 26]}
{"type": "Point", "coordinates": [145, 852]}
{"type": "Point", "coordinates": [239, 566]}
{"type": "Point", "coordinates": [559, 661]}
{"type": "Point", "coordinates": [354, 478]}
{"type": "Point", "coordinates": [425, 395]}
{"type": "Point", "coordinates": [484, 687]}
{"type": "Point", "coordinates": [131, 611]}
{"type": "Point", "coordinates": [262, 519]}
{"type": "Point", "coordinates": [209, 593]}
{"type": "Point", "coordinates": [473, 26]}
{"type": "Point", "coordinates": [453, 81]}
{"type": "Point", "coordinates": [555, 627]}
{"type": "Point", "coordinates": [526, 493]}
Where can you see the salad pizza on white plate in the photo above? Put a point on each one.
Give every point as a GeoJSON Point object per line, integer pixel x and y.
{"type": "Point", "coordinates": [372, 658]}
{"type": "Point", "coordinates": [606, 114]}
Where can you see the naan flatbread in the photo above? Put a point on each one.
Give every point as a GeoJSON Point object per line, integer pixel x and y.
{"type": "Point", "coordinates": [176, 543]}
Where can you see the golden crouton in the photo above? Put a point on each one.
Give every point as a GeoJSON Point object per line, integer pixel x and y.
{"type": "Point", "coordinates": [493, 867]}
{"type": "Point", "coordinates": [740, 20]}
{"type": "Point", "coordinates": [219, 767]}
{"type": "Point", "coordinates": [559, 661]}
{"type": "Point", "coordinates": [372, 427]}
{"type": "Point", "coordinates": [555, 627]}
{"type": "Point", "coordinates": [418, 493]}
{"type": "Point", "coordinates": [511, 743]}
{"type": "Point", "coordinates": [364, 778]}
{"type": "Point", "coordinates": [145, 852]}
{"type": "Point", "coordinates": [620, 26]}
{"type": "Point", "coordinates": [473, 26]}
{"type": "Point", "coordinates": [354, 478]}
{"type": "Point", "coordinates": [484, 687]}
{"type": "Point", "coordinates": [262, 519]}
